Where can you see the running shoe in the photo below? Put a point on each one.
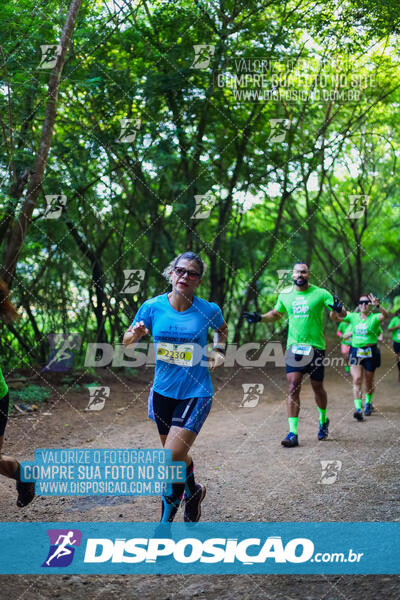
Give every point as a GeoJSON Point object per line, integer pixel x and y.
{"type": "Point", "coordinates": [367, 409]}
{"type": "Point", "coordinates": [26, 492]}
{"type": "Point", "coordinates": [193, 504]}
{"type": "Point", "coordinates": [323, 430]}
{"type": "Point", "coordinates": [358, 415]}
{"type": "Point", "coordinates": [170, 507]}
{"type": "Point", "coordinates": [290, 441]}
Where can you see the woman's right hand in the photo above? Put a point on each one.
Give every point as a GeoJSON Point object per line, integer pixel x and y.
{"type": "Point", "coordinates": [139, 329]}
{"type": "Point", "coordinates": [135, 332]}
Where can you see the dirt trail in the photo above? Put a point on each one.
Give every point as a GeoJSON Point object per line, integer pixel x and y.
{"type": "Point", "coordinates": [249, 477]}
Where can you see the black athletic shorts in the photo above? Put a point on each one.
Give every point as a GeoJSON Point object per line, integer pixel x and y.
{"type": "Point", "coordinates": [312, 363]}
{"type": "Point", "coordinates": [4, 402]}
{"type": "Point", "coordinates": [396, 347]}
{"type": "Point", "coordinates": [369, 363]}
{"type": "Point", "coordinates": [189, 413]}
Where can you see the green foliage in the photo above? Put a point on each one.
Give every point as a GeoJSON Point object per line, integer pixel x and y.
{"type": "Point", "coordinates": [130, 204]}
{"type": "Point", "coordinates": [31, 394]}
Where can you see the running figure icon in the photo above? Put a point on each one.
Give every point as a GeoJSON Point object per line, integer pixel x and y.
{"type": "Point", "coordinates": [62, 549]}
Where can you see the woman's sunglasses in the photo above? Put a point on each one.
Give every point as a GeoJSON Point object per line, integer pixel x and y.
{"type": "Point", "coordinates": [192, 275]}
{"type": "Point", "coordinates": [364, 302]}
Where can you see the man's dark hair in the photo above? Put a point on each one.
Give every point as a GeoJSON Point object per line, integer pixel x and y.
{"type": "Point", "coordinates": [302, 262]}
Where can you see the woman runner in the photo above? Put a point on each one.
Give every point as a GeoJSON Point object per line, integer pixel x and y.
{"type": "Point", "coordinates": [394, 327]}
{"type": "Point", "coordinates": [9, 466]}
{"type": "Point", "coordinates": [364, 354]}
{"type": "Point", "coordinates": [181, 396]}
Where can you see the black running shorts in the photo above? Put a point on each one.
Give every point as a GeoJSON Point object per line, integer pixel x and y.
{"type": "Point", "coordinates": [369, 363]}
{"type": "Point", "coordinates": [189, 413]}
{"type": "Point", "coordinates": [313, 363]}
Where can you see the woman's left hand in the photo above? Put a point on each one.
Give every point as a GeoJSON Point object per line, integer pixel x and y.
{"type": "Point", "coordinates": [374, 301]}
{"type": "Point", "coordinates": [215, 359]}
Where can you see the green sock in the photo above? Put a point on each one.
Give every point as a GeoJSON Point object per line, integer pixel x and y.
{"type": "Point", "coordinates": [322, 415]}
{"type": "Point", "coordinates": [293, 424]}
{"type": "Point", "coordinates": [358, 403]}
{"type": "Point", "coordinates": [347, 368]}
{"type": "Point", "coordinates": [368, 398]}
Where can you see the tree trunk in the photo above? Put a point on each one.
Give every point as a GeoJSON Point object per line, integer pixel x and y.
{"type": "Point", "coordinates": [19, 230]}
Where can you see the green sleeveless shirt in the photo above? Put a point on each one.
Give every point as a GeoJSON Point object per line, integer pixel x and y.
{"type": "Point", "coordinates": [3, 386]}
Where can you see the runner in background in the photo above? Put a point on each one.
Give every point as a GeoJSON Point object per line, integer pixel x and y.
{"type": "Point", "coordinates": [9, 466]}
{"type": "Point", "coordinates": [342, 329]}
{"type": "Point", "coordinates": [364, 354]}
{"type": "Point", "coordinates": [181, 396]}
{"type": "Point", "coordinates": [305, 305]}
{"type": "Point", "coordinates": [380, 341]}
{"type": "Point", "coordinates": [394, 327]}
{"type": "Point", "coordinates": [348, 333]}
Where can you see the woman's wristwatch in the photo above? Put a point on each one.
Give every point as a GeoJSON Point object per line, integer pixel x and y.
{"type": "Point", "coordinates": [220, 349]}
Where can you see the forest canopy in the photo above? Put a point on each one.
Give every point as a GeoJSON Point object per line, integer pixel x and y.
{"type": "Point", "coordinates": [254, 133]}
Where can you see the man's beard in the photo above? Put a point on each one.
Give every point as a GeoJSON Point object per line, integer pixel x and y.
{"type": "Point", "coordinates": [300, 281]}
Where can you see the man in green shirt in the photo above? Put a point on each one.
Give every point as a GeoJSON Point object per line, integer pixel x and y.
{"type": "Point", "coordinates": [304, 305]}
{"type": "Point", "coordinates": [394, 327]}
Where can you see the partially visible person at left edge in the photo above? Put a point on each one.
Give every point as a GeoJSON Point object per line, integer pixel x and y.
{"type": "Point", "coordinates": [9, 466]}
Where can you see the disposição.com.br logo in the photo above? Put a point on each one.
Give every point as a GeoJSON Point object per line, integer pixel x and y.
{"type": "Point", "coordinates": [62, 547]}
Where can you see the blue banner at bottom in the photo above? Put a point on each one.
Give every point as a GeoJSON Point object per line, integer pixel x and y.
{"type": "Point", "coordinates": [209, 548]}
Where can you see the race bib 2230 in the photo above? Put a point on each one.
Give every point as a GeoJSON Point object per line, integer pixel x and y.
{"type": "Point", "coordinates": [176, 354]}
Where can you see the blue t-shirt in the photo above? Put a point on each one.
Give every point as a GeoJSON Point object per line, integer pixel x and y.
{"type": "Point", "coordinates": [180, 345]}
